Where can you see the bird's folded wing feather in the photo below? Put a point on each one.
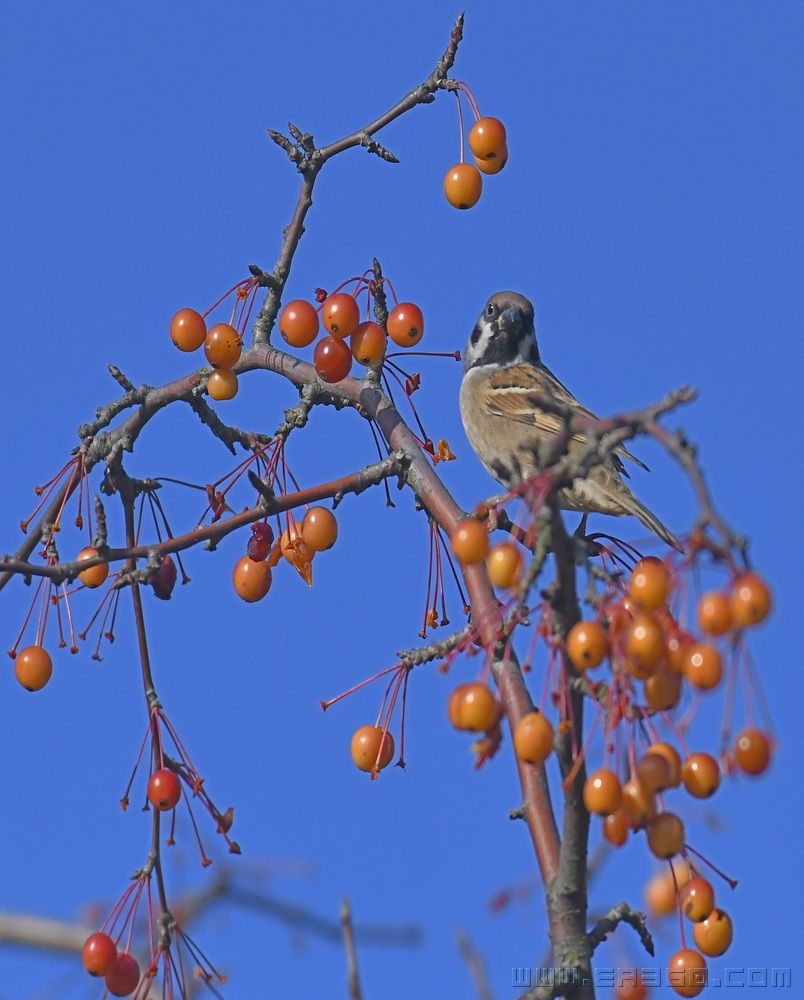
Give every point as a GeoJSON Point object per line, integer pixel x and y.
{"type": "Point", "coordinates": [513, 394]}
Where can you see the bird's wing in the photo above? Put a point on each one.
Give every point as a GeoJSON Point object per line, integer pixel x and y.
{"type": "Point", "coordinates": [512, 394]}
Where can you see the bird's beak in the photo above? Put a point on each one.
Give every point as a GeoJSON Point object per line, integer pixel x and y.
{"type": "Point", "coordinates": [512, 318]}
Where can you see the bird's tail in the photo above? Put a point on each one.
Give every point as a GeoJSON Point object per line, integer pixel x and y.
{"type": "Point", "coordinates": [651, 521]}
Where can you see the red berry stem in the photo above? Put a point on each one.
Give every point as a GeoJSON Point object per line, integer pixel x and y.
{"type": "Point", "coordinates": [226, 295]}
{"type": "Point", "coordinates": [470, 97]}
{"type": "Point", "coordinates": [460, 123]}
{"type": "Point", "coordinates": [732, 882]}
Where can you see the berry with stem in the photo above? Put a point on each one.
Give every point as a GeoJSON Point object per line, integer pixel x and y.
{"type": "Point", "coordinates": [406, 324]}
{"type": "Point", "coordinates": [463, 185]}
{"type": "Point", "coordinates": [164, 789]}
{"type": "Point", "coordinates": [372, 749]}
{"type": "Point", "coordinates": [487, 139]}
{"type": "Point", "coordinates": [99, 954]}
{"type": "Point", "coordinates": [33, 667]}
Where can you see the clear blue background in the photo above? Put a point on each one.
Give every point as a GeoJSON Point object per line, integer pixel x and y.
{"type": "Point", "coordinates": [652, 208]}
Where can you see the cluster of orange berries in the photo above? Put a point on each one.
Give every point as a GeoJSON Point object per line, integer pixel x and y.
{"type": "Point", "coordinates": [222, 347]}
{"type": "Point", "coordinates": [119, 969]}
{"type": "Point", "coordinates": [298, 544]}
{"type": "Point", "coordinates": [463, 183]}
{"type": "Point", "coordinates": [340, 317]}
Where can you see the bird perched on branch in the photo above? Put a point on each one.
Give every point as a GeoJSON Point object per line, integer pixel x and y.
{"type": "Point", "coordinates": [503, 379]}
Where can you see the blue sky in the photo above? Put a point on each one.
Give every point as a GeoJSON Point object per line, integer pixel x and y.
{"type": "Point", "coordinates": [652, 208]}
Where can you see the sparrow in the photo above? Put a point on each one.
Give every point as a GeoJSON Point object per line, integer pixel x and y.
{"type": "Point", "coordinates": [503, 377]}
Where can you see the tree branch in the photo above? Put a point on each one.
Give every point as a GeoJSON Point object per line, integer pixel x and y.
{"type": "Point", "coordinates": [622, 913]}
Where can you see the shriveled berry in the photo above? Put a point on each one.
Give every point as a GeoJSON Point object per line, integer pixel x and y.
{"type": "Point", "coordinates": [164, 579]}
{"type": "Point", "coordinates": [262, 538]}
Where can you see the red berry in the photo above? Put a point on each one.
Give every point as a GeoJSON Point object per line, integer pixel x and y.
{"type": "Point", "coordinates": [406, 324]}
{"type": "Point", "coordinates": [298, 323]}
{"type": "Point", "coordinates": [33, 667]}
{"type": "Point", "coordinates": [123, 979]}
{"type": "Point", "coordinates": [463, 185]}
{"type": "Point", "coordinates": [368, 344]}
{"type": "Point", "coordinates": [95, 576]}
{"type": "Point", "coordinates": [164, 579]}
{"type": "Point", "coordinates": [99, 954]}
{"type": "Point", "coordinates": [340, 315]}
{"type": "Point", "coordinates": [366, 748]}
{"type": "Point", "coordinates": [164, 789]}
{"type": "Point", "coordinates": [188, 330]}
{"type": "Point", "coordinates": [223, 346]}
{"type": "Point", "coordinates": [332, 359]}
{"type": "Point", "coordinates": [487, 138]}
{"type": "Point", "coordinates": [262, 538]}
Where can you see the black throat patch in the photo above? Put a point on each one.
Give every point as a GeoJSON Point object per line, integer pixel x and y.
{"type": "Point", "coordinates": [506, 345]}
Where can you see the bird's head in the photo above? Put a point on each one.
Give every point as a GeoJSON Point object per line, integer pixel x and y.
{"type": "Point", "coordinates": [504, 333]}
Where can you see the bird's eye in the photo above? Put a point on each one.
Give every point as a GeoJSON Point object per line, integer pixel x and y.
{"type": "Point", "coordinates": [491, 310]}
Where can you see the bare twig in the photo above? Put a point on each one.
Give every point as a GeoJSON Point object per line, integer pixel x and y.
{"type": "Point", "coordinates": [352, 971]}
{"type": "Point", "coordinates": [622, 913]}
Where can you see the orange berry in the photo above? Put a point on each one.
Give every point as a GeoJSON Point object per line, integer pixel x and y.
{"type": "Point", "coordinates": [654, 772]}
{"type": "Point", "coordinates": [470, 541]}
{"type": "Point", "coordinates": [660, 891]}
{"type": "Point", "coordinates": [686, 972]}
{"type": "Point", "coordinates": [368, 344]}
{"type": "Point", "coordinates": [673, 759]}
{"type": "Point", "coordinates": [703, 666]}
{"type": "Point", "coordinates": [487, 138]}
{"type": "Point", "coordinates": [714, 613]}
{"type": "Point", "coordinates": [473, 707]}
{"type": "Point", "coordinates": [602, 792]}
{"type": "Point", "coordinates": [33, 667]}
{"type": "Point", "coordinates": [587, 645]}
{"type": "Point", "coordinates": [701, 775]}
{"type": "Point", "coordinates": [332, 360]}
{"type": "Point", "coordinates": [638, 803]}
{"type": "Point", "coordinates": [222, 384]}
{"type": "Point", "coordinates": [644, 646]}
{"type": "Point", "coordinates": [319, 529]}
{"type": "Point", "coordinates": [223, 346]}
{"type": "Point", "coordinates": [188, 331]}
{"type": "Point", "coordinates": [616, 826]}
{"type": "Point", "coordinates": [697, 899]}
{"type": "Point", "coordinates": [340, 315]}
{"type": "Point", "coordinates": [750, 600]}
{"type": "Point", "coordinates": [252, 580]}
{"type": "Point", "coordinates": [298, 323]}
{"type": "Point", "coordinates": [662, 690]}
{"type": "Point", "coordinates": [676, 649]}
{"type": "Point", "coordinates": [164, 789]}
{"type": "Point", "coordinates": [406, 324]}
{"type": "Point", "coordinates": [463, 185]}
{"type": "Point", "coordinates": [492, 166]}
{"type": "Point", "coordinates": [371, 748]}
{"type": "Point", "coordinates": [95, 576]}
{"type": "Point", "coordinates": [649, 585]}
{"type": "Point", "coordinates": [631, 986]}
{"type": "Point", "coordinates": [714, 935]}
{"type": "Point", "coordinates": [533, 738]}
{"type": "Point", "coordinates": [504, 565]}
{"type": "Point", "coordinates": [752, 751]}
{"type": "Point", "coordinates": [666, 835]}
